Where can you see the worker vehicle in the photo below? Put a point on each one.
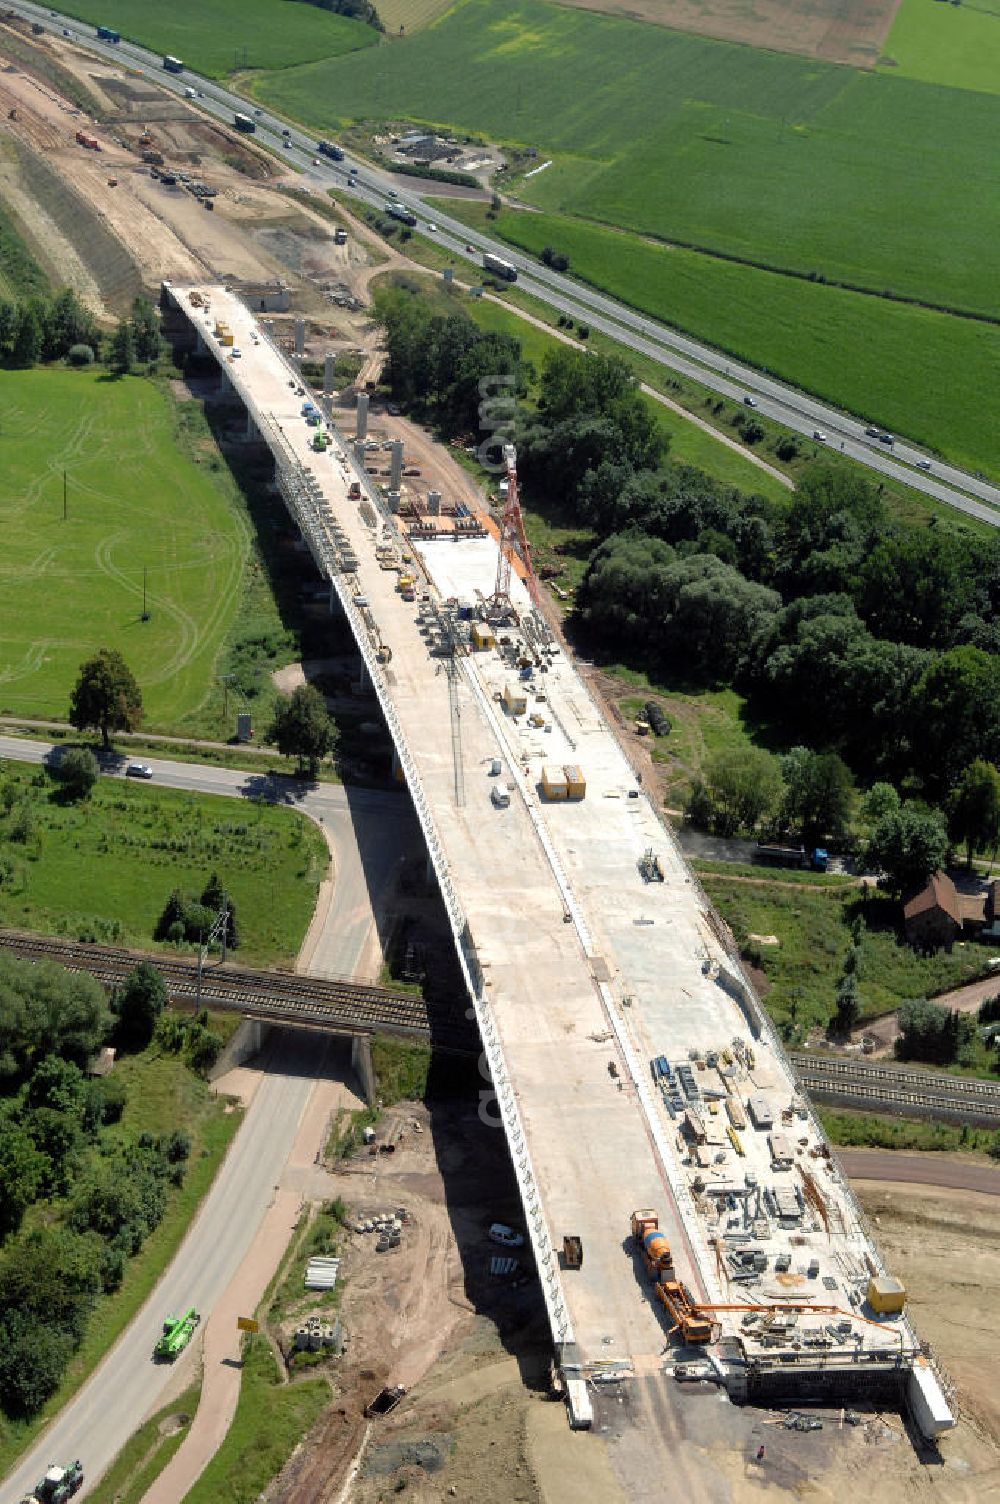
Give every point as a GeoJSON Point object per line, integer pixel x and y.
{"type": "Point", "coordinates": [177, 1333]}
{"type": "Point", "coordinates": [819, 435]}
{"type": "Point", "coordinates": [648, 1240]}
{"type": "Point", "coordinates": [500, 798]}
{"type": "Point", "coordinates": [190, 93]}
{"type": "Point", "coordinates": [173, 64]}
{"type": "Point", "coordinates": [500, 1233]}
{"type": "Point", "coordinates": [749, 401]}
{"type": "Point", "coordinates": [58, 1485]}
{"type": "Point", "coordinates": [694, 1327]}
{"type": "Point", "coordinates": [811, 859]}
{"type": "Point", "coordinates": [499, 267]}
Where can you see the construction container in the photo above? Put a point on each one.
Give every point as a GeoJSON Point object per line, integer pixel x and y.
{"type": "Point", "coordinates": [554, 785]}
{"type": "Point", "coordinates": [227, 339]}
{"type": "Point", "coordinates": [782, 1154]}
{"type": "Point", "coordinates": [886, 1295]}
{"type": "Point", "coordinates": [576, 784]}
{"type": "Point", "coordinates": [482, 636]}
{"type": "Point", "coordinates": [736, 1114]}
{"type": "Point", "coordinates": [515, 700]}
{"type": "Point", "coordinates": [760, 1111]}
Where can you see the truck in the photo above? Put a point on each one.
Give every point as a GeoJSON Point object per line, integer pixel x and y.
{"type": "Point", "coordinates": [177, 1333]}
{"type": "Point", "coordinates": [90, 142]}
{"type": "Point", "coordinates": [105, 34]}
{"type": "Point", "coordinates": [648, 1240]}
{"type": "Point", "coordinates": [331, 150]}
{"type": "Point", "coordinates": [499, 267]}
{"type": "Point", "coordinates": [687, 1318]}
{"type": "Point", "coordinates": [58, 1485]}
{"type": "Point", "coordinates": [812, 859]}
{"type": "Point", "coordinates": [173, 64]}
{"type": "Point", "coordinates": [245, 123]}
{"type": "Point", "coordinates": [400, 212]}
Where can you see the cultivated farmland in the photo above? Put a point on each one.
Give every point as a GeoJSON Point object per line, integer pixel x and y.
{"type": "Point", "coordinates": [918, 372]}
{"type": "Point", "coordinates": [947, 44]}
{"type": "Point", "coordinates": [134, 500]}
{"type": "Point", "coordinates": [224, 35]}
{"type": "Point", "coordinates": [869, 179]}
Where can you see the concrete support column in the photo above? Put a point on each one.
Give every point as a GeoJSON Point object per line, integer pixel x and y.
{"type": "Point", "coordinates": [199, 344]}
{"type": "Point", "coordinates": [362, 429]}
{"type": "Point", "coordinates": [300, 336]}
{"type": "Point", "coordinates": [396, 462]}
{"type": "Point", "coordinates": [328, 366]}
{"type": "Point", "coordinates": [361, 1064]}
{"type": "Point", "coordinates": [252, 430]}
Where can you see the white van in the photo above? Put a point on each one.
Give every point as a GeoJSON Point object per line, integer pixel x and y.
{"type": "Point", "coordinates": [500, 795]}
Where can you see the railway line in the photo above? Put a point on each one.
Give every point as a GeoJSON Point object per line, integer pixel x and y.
{"type": "Point", "coordinates": [885, 1088]}
{"type": "Point", "coordinates": [317, 1002]}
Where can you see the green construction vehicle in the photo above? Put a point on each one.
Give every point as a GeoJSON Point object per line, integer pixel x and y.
{"type": "Point", "coordinates": [320, 440]}
{"type": "Point", "coordinates": [177, 1333]}
{"type": "Point", "coordinates": [58, 1485]}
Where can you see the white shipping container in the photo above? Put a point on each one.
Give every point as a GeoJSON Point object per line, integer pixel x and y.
{"type": "Point", "coordinates": [927, 1402]}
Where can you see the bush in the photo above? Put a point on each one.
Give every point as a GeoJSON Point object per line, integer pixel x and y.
{"type": "Point", "coordinates": [80, 355]}
{"type": "Point", "coordinates": [78, 770]}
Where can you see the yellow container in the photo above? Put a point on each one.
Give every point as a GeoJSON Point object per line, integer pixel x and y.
{"type": "Point", "coordinates": [227, 339]}
{"type": "Point", "coordinates": [886, 1295]}
{"type": "Point", "coordinates": [482, 636]}
{"type": "Point", "coordinates": [576, 784]}
{"type": "Point", "coordinates": [554, 785]}
{"type": "Point", "coordinates": [515, 700]}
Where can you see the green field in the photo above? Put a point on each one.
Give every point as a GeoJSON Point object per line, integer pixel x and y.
{"type": "Point", "coordinates": [135, 500]}
{"type": "Point", "coordinates": [103, 870]}
{"type": "Point", "coordinates": [918, 372]}
{"type": "Point", "coordinates": [958, 45]}
{"type": "Point", "coordinates": [872, 179]}
{"type": "Point", "coordinates": [224, 35]}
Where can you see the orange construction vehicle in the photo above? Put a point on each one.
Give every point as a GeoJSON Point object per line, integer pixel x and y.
{"type": "Point", "coordinates": [685, 1315]}
{"type": "Point", "coordinates": [651, 1243]}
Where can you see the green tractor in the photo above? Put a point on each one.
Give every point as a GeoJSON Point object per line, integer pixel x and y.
{"type": "Point", "coordinates": [58, 1485]}
{"type": "Point", "coordinates": [177, 1333]}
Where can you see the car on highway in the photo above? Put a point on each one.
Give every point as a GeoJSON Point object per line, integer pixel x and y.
{"type": "Point", "coordinates": [258, 113]}
{"type": "Point", "coordinates": [872, 432]}
{"type": "Point", "coordinates": [432, 228]}
{"type": "Point", "coordinates": [923, 464]}
{"type": "Point", "coordinates": [819, 435]}
{"type": "Point", "coordinates": [138, 770]}
{"type": "Point", "coordinates": [749, 401]}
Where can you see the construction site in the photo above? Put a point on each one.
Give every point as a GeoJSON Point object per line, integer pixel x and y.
{"type": "Point", "coordinates": [618, 1026]}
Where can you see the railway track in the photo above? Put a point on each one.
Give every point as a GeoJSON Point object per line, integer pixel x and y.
{"type": "Point", "coordinates": [319, 1002]}
{"type": "Point", "coordinates": [889, 1088]}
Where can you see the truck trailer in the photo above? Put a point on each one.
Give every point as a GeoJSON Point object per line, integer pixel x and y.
{"type": "Point", "coordinates": [173, 64]}
{"type": "Point", "coordinates": [812, 859]}
{"type": "Point", "coordinates": [105, 34]}
{"type": "Point", "coordinates": [499, 267]}
{"type": "Point", "coordinates": [244, 123]}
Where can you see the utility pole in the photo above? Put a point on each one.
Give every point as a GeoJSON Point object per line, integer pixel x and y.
{"type": "Point", "coordinates": [65, 499]}
{"type": "Point", "coordinates": [145, 613]}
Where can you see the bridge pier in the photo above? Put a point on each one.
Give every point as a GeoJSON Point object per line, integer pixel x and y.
{"type": "Point", "coordinates": [245, 1043]}
{"type": "Point", "coordinates": [361, 1064]}
{"type": "Point", "coordinates": [252, 431]}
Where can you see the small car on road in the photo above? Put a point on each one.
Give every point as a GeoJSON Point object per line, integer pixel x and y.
{"type": "Point", "coordinates": [500, 1233]}
{"type": "Point", "coordinates": [749, 401]}
{"type": "Point", "coordinates": [819, 435]}
{"type": "Point", "coordinates": [138, 770]}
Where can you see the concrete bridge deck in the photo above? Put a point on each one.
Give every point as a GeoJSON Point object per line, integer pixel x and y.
{"type": "Point", "coordinates": [579, 971]}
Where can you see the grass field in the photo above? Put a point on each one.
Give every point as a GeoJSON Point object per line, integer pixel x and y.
{"type": "Point", "coordinates": [226, 35]}
{"type": "Point", "coordinates": [917, 372]}
{"type": "Point", "coordinates": [859, 177]}
{"type": "Point", "coordinates": [812, 924]}
{"type": "Point", "coordinates": [135, 501]}
{"type": "Point", "coordinates": [103, 870]}
{"type": "Point", "coordinates": [958, 45]}
{"type": "Point", "coordinates": [404, 17]}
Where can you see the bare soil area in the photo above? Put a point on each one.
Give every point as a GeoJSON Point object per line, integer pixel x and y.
{"type": "Point", "coordinates": [841, 31]}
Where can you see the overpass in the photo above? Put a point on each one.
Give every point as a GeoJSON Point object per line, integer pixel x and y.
{"type": "Point", "coordinates": [581, 968]}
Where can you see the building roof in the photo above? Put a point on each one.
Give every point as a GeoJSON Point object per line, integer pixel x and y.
{"type": "Point", "coordinates": [940, 894]}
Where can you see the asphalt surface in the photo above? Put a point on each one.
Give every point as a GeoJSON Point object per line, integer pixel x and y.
{"type": "Point", "coordinates": [128, 1384]}
{"type": "Point", "coordinates": [971, 494]}
{"type": "Point", "coordinates": [920, 1169]}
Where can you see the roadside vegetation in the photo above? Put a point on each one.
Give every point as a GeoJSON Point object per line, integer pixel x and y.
{"type": "Point", "coordinates": [147, 1452]}
{"type": "Point", "coordinates": [97, 1181]}
{"type": "Point", "coordinates": [871, 1130]}
{"type": "Point", "coordinates": [103, 868]}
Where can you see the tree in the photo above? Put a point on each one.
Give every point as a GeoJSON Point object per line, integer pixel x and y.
{"type": "Point", "coordinates": [34, 1354]}
{"type": "Point", "coordinates": [214, 897]}
{"type": "Point", "coordinates": [47, 1010]}
{"type": "Point", "coordinates": [880, 800]}
{"type": "Point", "coordinates": [908, 846]}
{"type": "Point", "coordinates": [819, 792]}
{"type": "Point", "coordinates": [106, 696]}
{"type": "Point", "coordinates": [929, 1032]}
{"type": "Point", "coordinates": [29, 338]}
{"type": "Point", "coordinates": [302, 728]}
{"type": "Point", "coordinates": [121, 356]}
{"type": "Point", "coordinates": [78, 770]}
{"type": "Point", "coordinates": [746, 787]}
{"type": "Point", "coordinates": [974, 808]}
{"type": "Point", "coordinates": [138, 1004]}
{"type": "Point", "coordinates": [53, 1274]}
{"type": "Point", "coordinates": [146, 328]}
{"type": "Point", "coordinates": [848, 1004]}
{"type": "Point", "coordinates": [23, 1172]}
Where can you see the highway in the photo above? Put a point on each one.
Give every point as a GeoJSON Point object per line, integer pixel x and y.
{"type": "Point", "coordinates": [971, 494]}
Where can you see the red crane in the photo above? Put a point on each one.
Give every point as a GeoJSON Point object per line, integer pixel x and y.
{"type": "Point", "coordinates": [512, 537]}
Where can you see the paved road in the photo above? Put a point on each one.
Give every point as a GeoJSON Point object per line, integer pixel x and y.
{"type": "Point", "coordinates": [797, 410]}
{"type": "Point", "coordinates": [128, 1384]}
{"type": "Point", "coordinates": [368, 832]}
{"type": "Point", "coordinates": [920, 1169]}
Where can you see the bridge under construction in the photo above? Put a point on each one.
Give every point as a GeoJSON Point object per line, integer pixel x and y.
{"type": "Point", "coordinates": [629, 1061]}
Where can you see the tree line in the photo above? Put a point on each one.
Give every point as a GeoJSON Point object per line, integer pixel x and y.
{"type": "Point", "coordinates": [62, 1144]}
{"type": "Point", "coordinates": [60, 327]}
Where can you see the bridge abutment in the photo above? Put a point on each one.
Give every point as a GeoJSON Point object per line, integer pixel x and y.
{"type": "Point", "coordinates": [361, 1064]}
